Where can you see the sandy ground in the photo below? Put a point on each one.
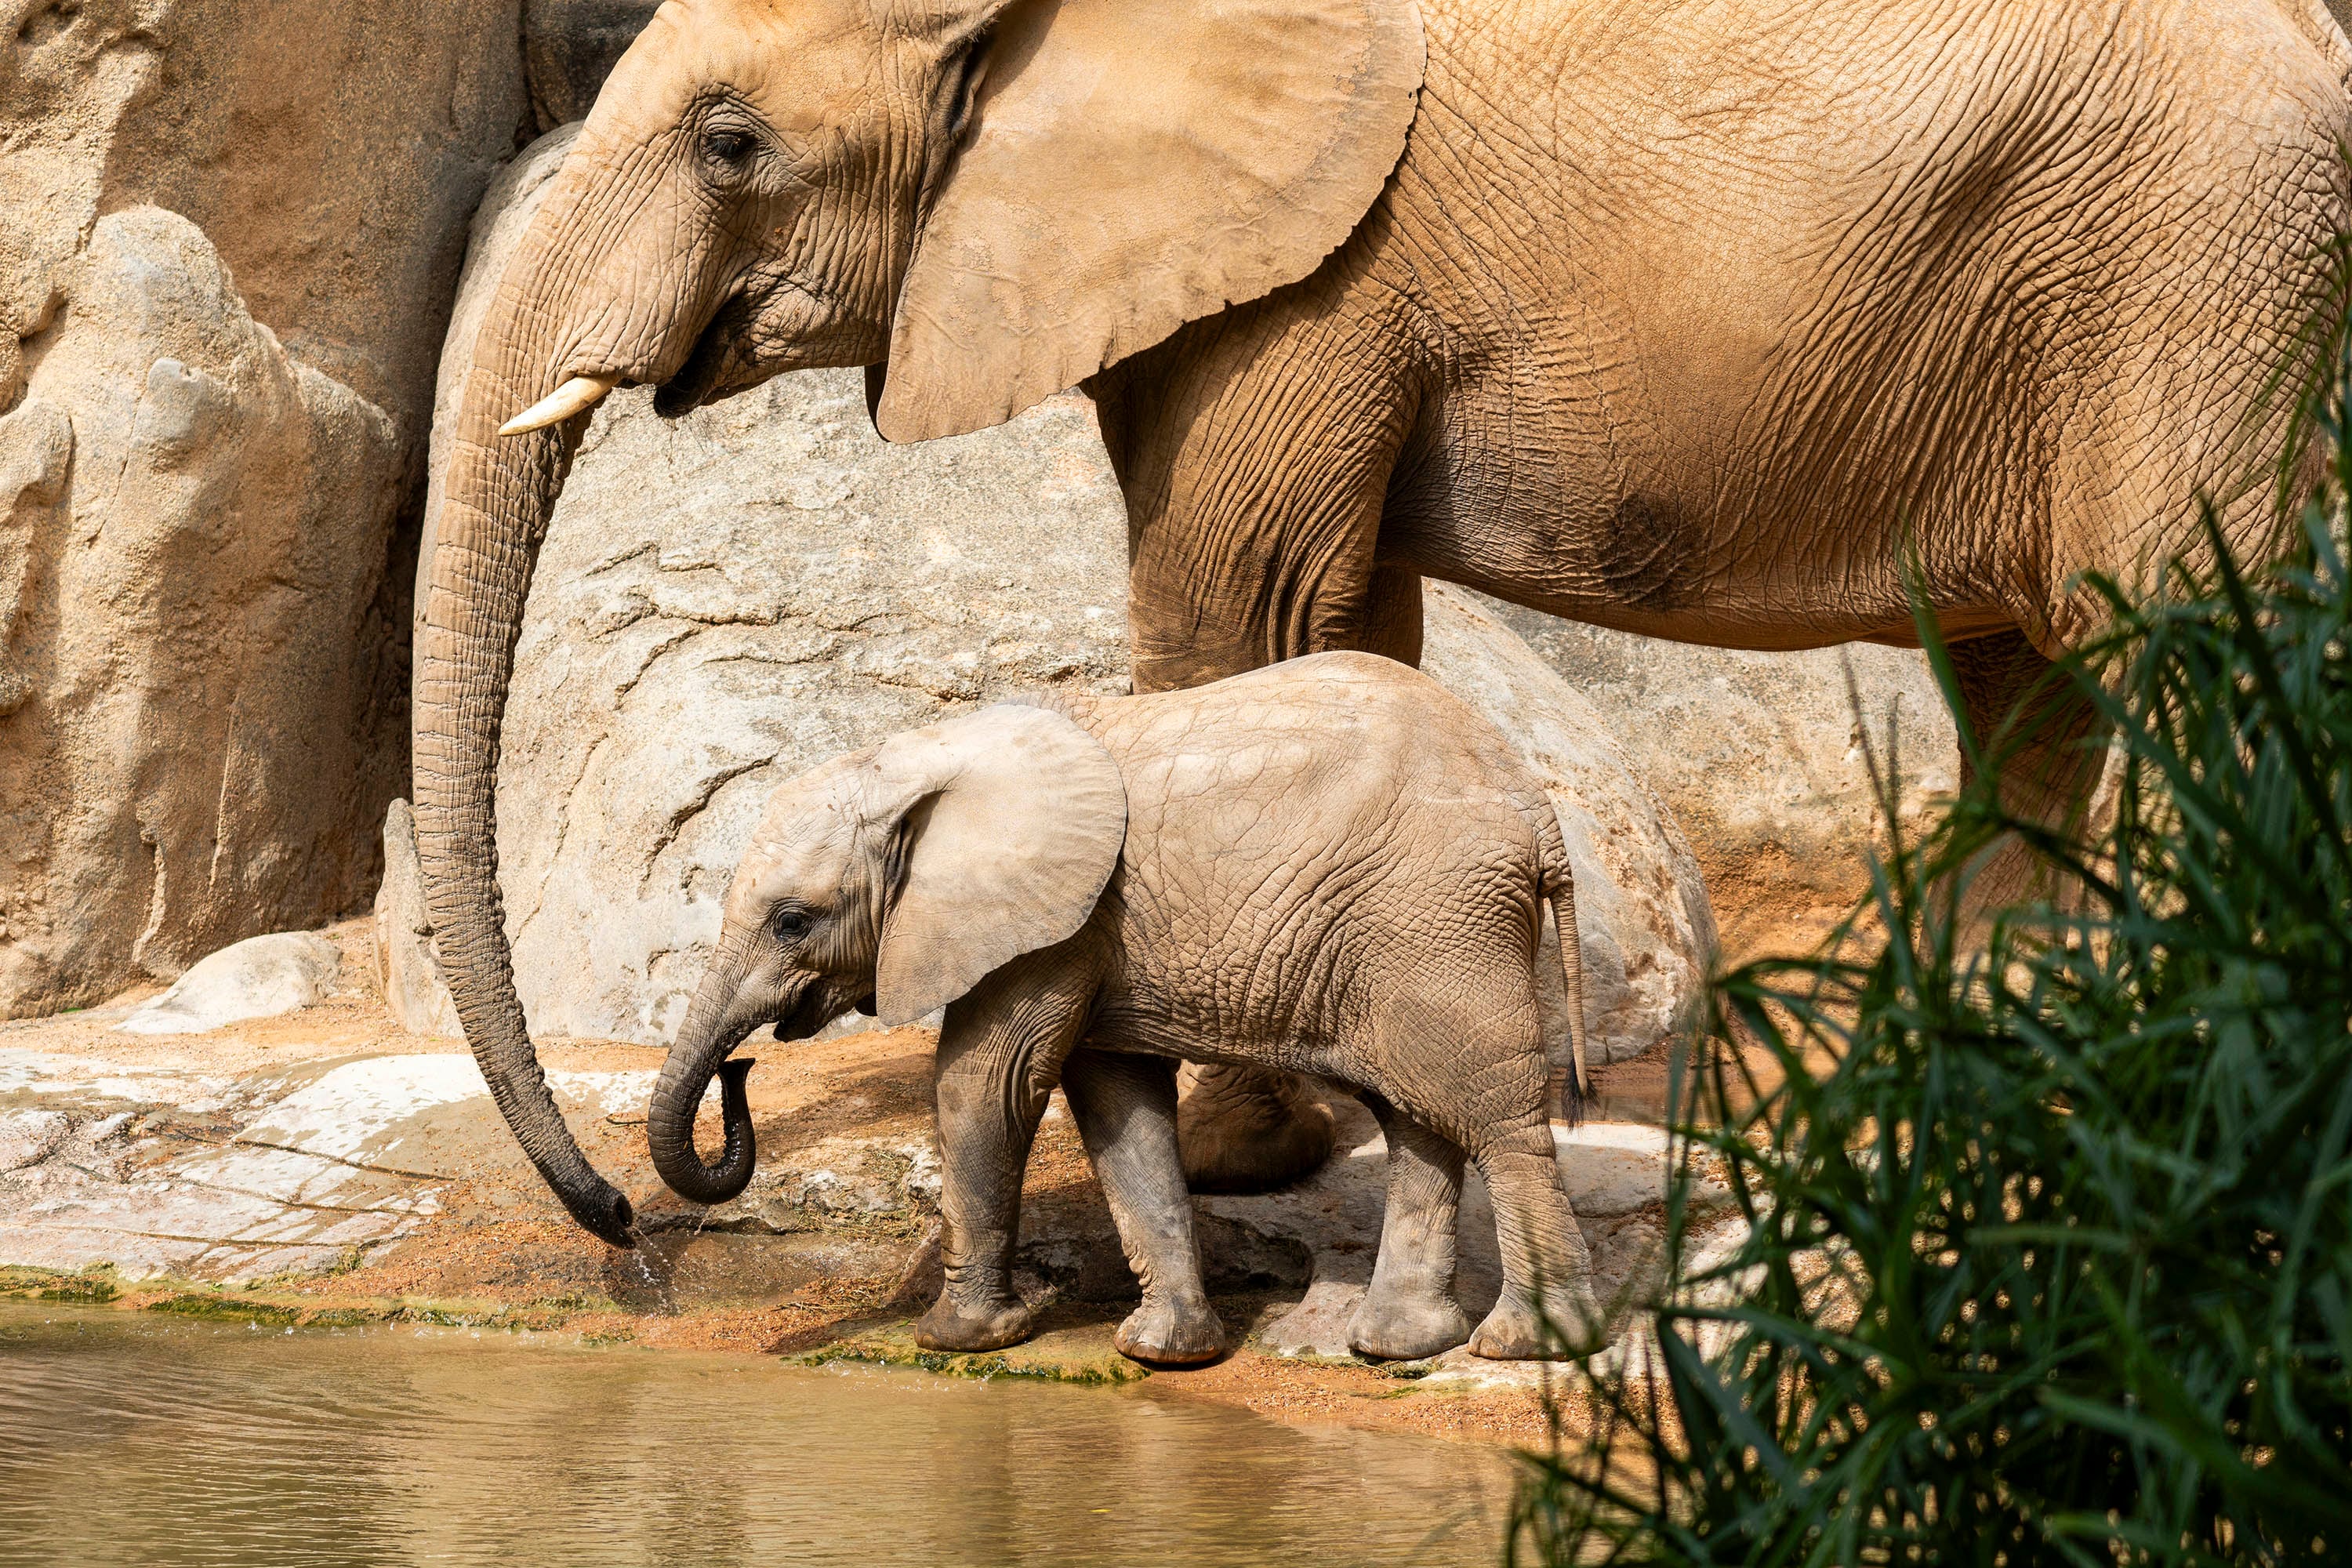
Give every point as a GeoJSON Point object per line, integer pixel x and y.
{"type": "Point", "coordinates": [326, 1166]}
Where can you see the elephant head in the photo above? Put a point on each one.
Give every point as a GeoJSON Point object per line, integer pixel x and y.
{"type": "Point", "coordinates": [890, 881]}
{"type": "Point", "coordinates": [996, 199]}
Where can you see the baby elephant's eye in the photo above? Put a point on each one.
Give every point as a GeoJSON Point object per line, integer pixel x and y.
{"type": "Point", "coordinates": [789, 925]}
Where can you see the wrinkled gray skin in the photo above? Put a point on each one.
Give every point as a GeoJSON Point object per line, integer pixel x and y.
{"type": "Point", "coordinates": [1331, 866]}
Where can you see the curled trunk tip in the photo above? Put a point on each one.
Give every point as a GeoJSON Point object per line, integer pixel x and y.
{"type": "Point", "coordinates": [670, 1137]}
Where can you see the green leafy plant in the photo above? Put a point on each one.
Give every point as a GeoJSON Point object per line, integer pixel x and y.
{"type": "Point", "coordinates": [2044, 1251]}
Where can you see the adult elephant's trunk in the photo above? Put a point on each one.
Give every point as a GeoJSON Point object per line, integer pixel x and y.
{"type": "Point", "coordinates": [498, 496]}
{"type": "Point", "coordinates": [716, 1024]}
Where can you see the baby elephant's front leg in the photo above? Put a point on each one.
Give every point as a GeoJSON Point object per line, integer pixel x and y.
{"type": "Point", "coordinates": [995, 1069]}
{"type": "Point", "coordinates": [1125, 1107]}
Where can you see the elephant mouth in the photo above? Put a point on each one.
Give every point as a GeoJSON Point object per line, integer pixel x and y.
{"type": "Point", "coordinates": [702, 378]}
{"type": "Point", "coordinates": [806, 1014]}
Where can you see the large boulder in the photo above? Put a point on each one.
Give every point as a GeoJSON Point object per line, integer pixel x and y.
{"type": "Point", "coordinates": [570, 46]}
{"type": "Point", "coordinates": [259, 977]}
{"type": "Point", "coordinates": [1762, 759]}
{"type": "Point", "coordinates": [726, 599]}
{"type": "Point", "coordinates": [213, 403]}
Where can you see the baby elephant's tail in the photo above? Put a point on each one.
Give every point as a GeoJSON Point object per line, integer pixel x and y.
{"type": "Point", "coordinates": [1559, 887]}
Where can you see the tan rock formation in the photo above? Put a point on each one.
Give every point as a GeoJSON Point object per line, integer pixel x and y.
{"type": "Point", "coordinates": [212, 426]}
{"type": "Point", "coordinates": [195, 527]}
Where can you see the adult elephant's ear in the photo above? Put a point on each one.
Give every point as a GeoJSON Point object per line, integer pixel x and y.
{"type": "Point", "coordinates": [1009, 823]}
{"type": "Point", "coordinates": [1132, 165]}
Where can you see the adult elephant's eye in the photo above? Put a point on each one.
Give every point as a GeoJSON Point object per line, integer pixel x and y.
{"type": "Point", "coordinates": [726, 148]}
{"type": "Point", "coordinates": [789, 925]}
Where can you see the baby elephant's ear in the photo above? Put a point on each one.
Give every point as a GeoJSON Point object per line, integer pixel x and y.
{"type": "Point", "coordinates": [1013, 819]}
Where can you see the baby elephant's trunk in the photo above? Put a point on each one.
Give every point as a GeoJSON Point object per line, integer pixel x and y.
{"type": "Point", "coordinates": [722, 1012]}
{"type": "Point", "coordinates": [669, 1124]}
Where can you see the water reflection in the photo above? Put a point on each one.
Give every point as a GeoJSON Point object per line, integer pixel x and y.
{"type": "Point", "coordinates": [133, 1439]}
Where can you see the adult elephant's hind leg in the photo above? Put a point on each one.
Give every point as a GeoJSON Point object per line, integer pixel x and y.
{"type": "Point", "coordinates": [2040, 732]}
{"type": "Point", "coordinates": [1126, 1111]}
{"type": "Point", "coordinates": [1410, 1312]}
{"type": "Point", "coordinates": [2041, 724]}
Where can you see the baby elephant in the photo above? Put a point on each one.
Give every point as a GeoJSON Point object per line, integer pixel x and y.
{"type": "Point", "coordinates": [1328, 867]}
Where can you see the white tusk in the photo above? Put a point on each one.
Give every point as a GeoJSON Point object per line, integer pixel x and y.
{"type": "Point", "coordinates": [582, 392]}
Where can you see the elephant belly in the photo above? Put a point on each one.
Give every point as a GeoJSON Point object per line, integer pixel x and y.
{"type": "Point", "coordinates": [1574, 540]}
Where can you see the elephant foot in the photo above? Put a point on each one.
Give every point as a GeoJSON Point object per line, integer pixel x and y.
{"type": "Point", "coordinates": [1515, 1331]}
{"type": "Point", "coordinates": [1247, 1130]}
{"type": "Point", "coordinates": [1407, 1327]}
{"type": "Point", "coordinates": [1167, 1333]}
{"type": "Point", "coordinates": [989, 1324]}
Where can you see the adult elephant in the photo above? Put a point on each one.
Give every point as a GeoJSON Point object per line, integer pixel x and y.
{"type": "Point", "coordinates": [1679, 316]}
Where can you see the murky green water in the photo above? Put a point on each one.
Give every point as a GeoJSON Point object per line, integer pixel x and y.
{"type": "Point", "coordinates": [130, 1439]}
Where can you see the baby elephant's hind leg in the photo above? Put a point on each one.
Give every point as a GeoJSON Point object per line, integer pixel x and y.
{"type": "Point", "coordinates": [1410, 1311]}
{"type": "Point", "coordinates": [1546, 1271]}
{"type": "Point", "coordinates": [1126, 1111]}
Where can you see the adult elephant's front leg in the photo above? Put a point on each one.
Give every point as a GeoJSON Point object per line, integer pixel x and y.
{"type": "Point", "coordinates": [1254, 453]}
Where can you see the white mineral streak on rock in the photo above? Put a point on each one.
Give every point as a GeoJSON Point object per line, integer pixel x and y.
{"type": "Point", "coordinates": [316, 1161]}
{"type": "Point", "coordinates": [29, 1137]}
{"type": "Point", "coordinates": [341, 1113]}
{"type": "Point", "coordinates": [259, 977]}
{"type": "Point", "coordinates": [90, 1080]}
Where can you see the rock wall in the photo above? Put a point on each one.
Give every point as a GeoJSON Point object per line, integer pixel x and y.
{"type": "Point", "coordinates": [229, 239]}
{"type": "Point", "coordinates": [570, 46]}
{"type": "Point", "coordinates": [333, 150]}
{"type": "Point", "coordinates": [729, 598]}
